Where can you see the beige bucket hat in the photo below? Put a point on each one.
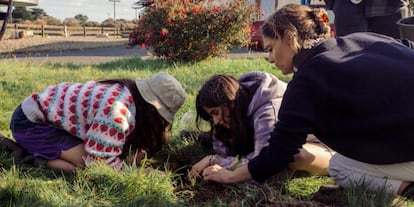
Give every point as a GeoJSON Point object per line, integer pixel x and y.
{"type": "Point", "coordinates": [164, 92]}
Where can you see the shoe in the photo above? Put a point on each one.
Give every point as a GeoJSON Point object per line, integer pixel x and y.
{"type": "Point", "coordinates": [10, 146]}
{"type": "Point", "coordinates": [19, 154]}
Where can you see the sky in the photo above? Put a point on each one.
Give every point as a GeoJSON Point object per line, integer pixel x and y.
{"type": "Point", "coordinates": [96, 10]}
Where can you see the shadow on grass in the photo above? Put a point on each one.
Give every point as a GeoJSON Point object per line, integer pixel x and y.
{"type": "Point", "coordinates": [67, 45]}
{"type": "Point", "coordinates": [133, 63]}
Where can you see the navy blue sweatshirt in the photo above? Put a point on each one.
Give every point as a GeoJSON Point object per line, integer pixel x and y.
{"type": "Point", "coordinates": [356, 94]}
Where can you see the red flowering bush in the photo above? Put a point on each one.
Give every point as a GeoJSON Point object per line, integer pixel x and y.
{"type": "Point", "coordinates": [186, 30]}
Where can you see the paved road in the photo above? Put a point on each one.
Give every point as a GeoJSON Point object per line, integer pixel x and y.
{"type": "Point", "coordinates": [102, 55]}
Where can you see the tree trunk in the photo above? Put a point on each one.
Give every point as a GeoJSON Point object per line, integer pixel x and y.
{"type": "Point", "coordinates": [6, 18]}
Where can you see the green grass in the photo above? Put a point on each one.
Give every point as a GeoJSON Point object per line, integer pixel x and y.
{"type": "Point", "coordinates": [99, 185]}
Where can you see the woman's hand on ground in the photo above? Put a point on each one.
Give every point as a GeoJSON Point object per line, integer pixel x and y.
{"type": "Point", "coordinates": [217, 173]}
{"type": "Point", "coordinates": [222, 175]}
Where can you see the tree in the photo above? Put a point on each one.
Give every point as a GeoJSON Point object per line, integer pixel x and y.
{"type": "Point", "coordinates": [108, 23]}
{"type": "Point", "coordinates": [52, 20]}
{"type": "Point", "coordinates": [143, 3]}
{"type": "Point", "coordinates": [38, 13]}
{"type": "Point", "coordinates": [81, 19]}
{"type": "Point", "coordinates": [71, 22]}
{"type": "Point", "coordinates": [91, 24]}
{"type": "Point", "coordinates": [22, 13]}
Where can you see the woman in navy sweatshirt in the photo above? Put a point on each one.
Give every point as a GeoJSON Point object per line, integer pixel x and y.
{"type": "Point", "coordinates": [355, 93]}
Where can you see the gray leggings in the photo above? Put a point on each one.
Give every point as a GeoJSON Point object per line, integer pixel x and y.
{"type": "Point", "coordinates": [346, 172]}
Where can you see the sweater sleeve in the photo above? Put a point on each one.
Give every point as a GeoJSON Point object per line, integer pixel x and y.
{"type": "Point", "coordinates": [222, 152]}
{"type": "Point", "coordinates": [288, 136]}
{"type": "Point", "coordinates": [264, 122]}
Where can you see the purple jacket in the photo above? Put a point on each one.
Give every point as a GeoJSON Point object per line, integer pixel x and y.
{"type": "Point", "coordinates": [262, 112]}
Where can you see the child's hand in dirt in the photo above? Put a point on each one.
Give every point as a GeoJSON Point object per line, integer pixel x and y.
{"type": "Point", "coordinates": [200, 166]}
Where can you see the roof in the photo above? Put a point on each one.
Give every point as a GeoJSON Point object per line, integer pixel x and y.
{"type": "Point", "coordinates": [20, 2]}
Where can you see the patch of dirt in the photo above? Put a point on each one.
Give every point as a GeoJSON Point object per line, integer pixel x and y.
{"type": "Point", "coordinates": [39, 44]}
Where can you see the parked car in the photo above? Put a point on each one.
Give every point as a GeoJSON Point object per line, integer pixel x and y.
{"type": "Point", "coordinates": [256, 42]}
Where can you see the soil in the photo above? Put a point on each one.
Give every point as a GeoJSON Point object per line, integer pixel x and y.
{"type": "Point", "coordinates": [38, 44]}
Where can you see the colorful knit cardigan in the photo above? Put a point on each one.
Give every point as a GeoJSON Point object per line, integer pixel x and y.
{"type": "Point", "coordinates": [100, 114]}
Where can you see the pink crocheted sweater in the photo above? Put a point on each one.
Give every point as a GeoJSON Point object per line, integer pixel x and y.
{"type": "Point", "coordinates": [100, 114]}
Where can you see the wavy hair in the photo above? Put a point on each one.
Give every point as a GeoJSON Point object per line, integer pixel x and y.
{"type": "Point", "coordinates": [303, 23]}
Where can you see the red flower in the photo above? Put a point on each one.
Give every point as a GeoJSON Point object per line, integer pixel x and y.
{"type": "Point", "coordinates": [164, 32]}
{"type": "Point", "coordinates": [197, 9]}
{"type": "Point", "coordinates": [216, 9]}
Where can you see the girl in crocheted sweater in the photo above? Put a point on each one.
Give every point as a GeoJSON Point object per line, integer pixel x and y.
{"type": "Point", "coordinates": [73, 124]}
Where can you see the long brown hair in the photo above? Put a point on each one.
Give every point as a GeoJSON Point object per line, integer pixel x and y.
{"type": "Point", "coordinates": [150, 128]}
{"type": "Point", "coordinates": [224, 90]}
{"type": "Point", "coordinates": [303, 23]}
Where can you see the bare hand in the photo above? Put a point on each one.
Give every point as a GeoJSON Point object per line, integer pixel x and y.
{"type": "Point", "coordinates": [199, 167]}
{"type": "Point", "coordinates": [217, 173]}
{"type": "Point", "coordinates": [222, 175]}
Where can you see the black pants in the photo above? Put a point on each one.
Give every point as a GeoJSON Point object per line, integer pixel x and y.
{"type": "Point", "coordinates": [351, 18]}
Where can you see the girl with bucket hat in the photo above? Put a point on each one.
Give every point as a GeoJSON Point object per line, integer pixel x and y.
{"type": "Point", "coordinates": [73, 124]}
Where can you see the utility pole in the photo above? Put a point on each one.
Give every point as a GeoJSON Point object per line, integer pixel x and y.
{"type": "Point", "coordinates": [115, 1]}
{"type": "Point", "coordinates": [136, 13]}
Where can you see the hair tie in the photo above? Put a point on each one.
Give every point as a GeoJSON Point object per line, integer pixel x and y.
{"type": "Point", "coordinates": [325, 18]}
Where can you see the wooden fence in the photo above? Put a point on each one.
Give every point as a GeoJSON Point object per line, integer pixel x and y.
{"type": "Point", "coordinates": [65, 31]}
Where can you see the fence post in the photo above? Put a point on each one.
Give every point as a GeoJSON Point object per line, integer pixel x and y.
{"type": "Point", "coordinates": [84, 31]}
{"type": "Point", "coordinates": [102, 29]}
{"type": "Point", "coordinates": [43, 30]}
{"type": "Point", "coordinates": [16, 32]}
{"type": "Point", "coordinates": [65, 31]}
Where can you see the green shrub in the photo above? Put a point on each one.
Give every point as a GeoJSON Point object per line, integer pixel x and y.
{"type": "Point", "coordinates": [185, 30]}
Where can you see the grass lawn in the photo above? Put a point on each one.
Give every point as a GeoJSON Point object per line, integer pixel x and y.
{"type": "Point", "coordinates": [99, 185]}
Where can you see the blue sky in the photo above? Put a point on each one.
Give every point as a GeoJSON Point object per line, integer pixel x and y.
{"type": "Point", "coordinates": [96, 10]}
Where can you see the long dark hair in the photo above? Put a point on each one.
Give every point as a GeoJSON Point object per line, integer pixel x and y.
{"type": "Point", "coordinates": [150, 128]}
{"type": "Point", "coordinates": [224, 90]}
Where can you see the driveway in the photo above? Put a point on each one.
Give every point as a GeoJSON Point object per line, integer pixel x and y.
{"type": "Point", "coordinates": [101, 55]}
